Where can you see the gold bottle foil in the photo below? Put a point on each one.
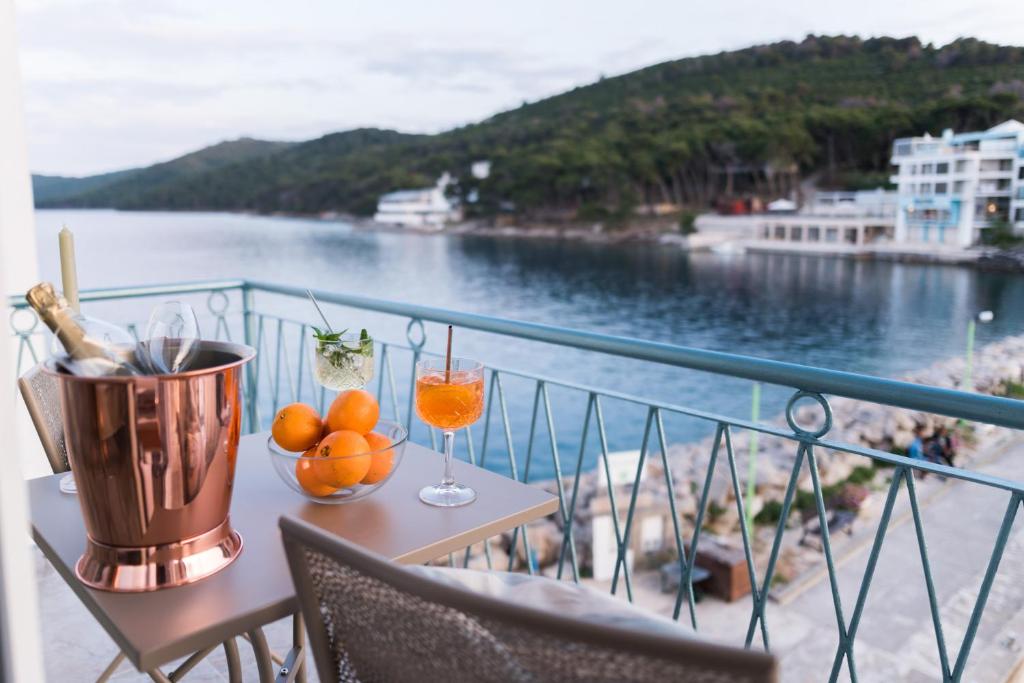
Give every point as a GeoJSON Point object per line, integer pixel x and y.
{"type": "Point", "coordinates": [154, 461]}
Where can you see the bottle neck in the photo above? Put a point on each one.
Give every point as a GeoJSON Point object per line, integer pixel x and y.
{"type": "Point", "coordinates": [54, 311]}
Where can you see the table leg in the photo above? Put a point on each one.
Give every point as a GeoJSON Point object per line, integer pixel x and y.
{"type": "Point", "coordinates": [233, 660]}
{"type": "Point", "coordinates": [111, 668]}
{"type": "Point", "coordinates": [264, 663]}
{"type": "Point", "coordinates": [190, 663]}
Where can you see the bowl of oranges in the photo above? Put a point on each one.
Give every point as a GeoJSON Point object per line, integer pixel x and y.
{"type": "Point", "coordinates": [343, 456]}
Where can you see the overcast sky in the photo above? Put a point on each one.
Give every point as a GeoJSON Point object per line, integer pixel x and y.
{"type": "Point", "coordinates": [111, 84]}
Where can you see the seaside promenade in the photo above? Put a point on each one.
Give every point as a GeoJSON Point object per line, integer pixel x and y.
{"type": "Point", "coordinates": [896, 639]}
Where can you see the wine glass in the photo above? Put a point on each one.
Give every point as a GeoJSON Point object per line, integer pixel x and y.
{"type": "Point", "coordinates": [449, 398]}
{"type": "Point", "coordinates": [171, 338]}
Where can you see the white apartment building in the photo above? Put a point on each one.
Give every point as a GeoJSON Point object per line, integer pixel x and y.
{"type": "Point", "coordinates": [426, 207]}
{"type": "Point", "coordinates": [832, 222]}
{"type": "Point", "coordinates": [952, 188]}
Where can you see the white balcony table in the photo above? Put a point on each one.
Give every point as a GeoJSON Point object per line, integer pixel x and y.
{"type": "Point", "coordinates": [158, 627]}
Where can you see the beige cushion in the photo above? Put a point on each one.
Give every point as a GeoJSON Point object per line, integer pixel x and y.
{"type": "Point", "coordinates": [559, 597]}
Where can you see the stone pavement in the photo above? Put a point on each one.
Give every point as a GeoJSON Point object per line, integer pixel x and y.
{"type": "Point", "coordinates": [896, 640]}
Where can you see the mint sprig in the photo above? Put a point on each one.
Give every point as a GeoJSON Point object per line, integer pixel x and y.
{"type": "Point", "coordinates": [331, 346]}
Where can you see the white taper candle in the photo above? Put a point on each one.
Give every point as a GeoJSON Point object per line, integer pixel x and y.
{"type": "Point", "coordinates": [68, 273]}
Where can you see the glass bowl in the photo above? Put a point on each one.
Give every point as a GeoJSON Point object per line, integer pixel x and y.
{"type": "Point", "coordinates": [317, 477]}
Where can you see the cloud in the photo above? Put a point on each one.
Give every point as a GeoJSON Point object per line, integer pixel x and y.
{"type": "Point", "coordinates": [121, 82]}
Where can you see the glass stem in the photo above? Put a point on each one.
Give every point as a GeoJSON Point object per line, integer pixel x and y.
{"type": "Point", "coordinates": [449, 459]}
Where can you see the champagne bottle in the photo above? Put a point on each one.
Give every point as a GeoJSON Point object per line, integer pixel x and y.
{"type": "Point", "coordinates": [90, 354]}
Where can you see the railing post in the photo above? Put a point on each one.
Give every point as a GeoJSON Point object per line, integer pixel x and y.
{"type": "Point", "coordinates": [755, 417]}
{"type": "Point", "coordinates": [251, 394]}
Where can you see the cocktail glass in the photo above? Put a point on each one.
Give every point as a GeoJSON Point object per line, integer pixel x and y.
{"type": "Point", "coordinates": [345, 363]}
{"type": "Point", "coordinates": [449, 399]}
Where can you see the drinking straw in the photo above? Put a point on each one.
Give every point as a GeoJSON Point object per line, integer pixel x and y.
{"type": "Point", "coordinates": [448, 359]}
{"type": "Point", "coordinates": [312, 298]}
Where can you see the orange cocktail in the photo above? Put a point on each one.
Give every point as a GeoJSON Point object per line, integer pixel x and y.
{"type": "Point", "coordinates": [450, 405]}
{"type": "Point", "coordinates": [449, 397]}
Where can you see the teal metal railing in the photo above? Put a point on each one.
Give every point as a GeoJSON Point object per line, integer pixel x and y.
{"type": "Point", "coordinates": [256, 312]}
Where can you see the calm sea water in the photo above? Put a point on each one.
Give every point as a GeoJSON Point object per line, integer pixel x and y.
{"type": "Point", "coordinates": [868, 317]}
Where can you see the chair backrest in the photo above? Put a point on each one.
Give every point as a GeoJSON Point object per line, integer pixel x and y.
{"type": "Point", "coordinates": [369, 619]}
{"type": "Point", "coordinates": [42, 398]}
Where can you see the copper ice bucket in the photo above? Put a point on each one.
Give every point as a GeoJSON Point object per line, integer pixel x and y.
{"type": "Point", "coordinates": [154, 462]}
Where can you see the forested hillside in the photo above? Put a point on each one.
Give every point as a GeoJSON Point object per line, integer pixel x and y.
{"type": "Point", "coordinates": [685, 132]}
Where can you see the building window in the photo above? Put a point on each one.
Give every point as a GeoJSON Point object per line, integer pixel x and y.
{"type": "Point", "coordinates": [780, 232]}
{"type": "Point", "coordinates": [927, 169]}
{"type": "Point", "coordinates": [942, 169]}
{"type": "Point", "coordinates": [1020, 173]}
{"type": "Point", "coordinates": [797, 234]}
{"type": "Point", "coordinates": [832, 234]}
{"type": "Point", "coordinates": [767, 232]}
{"type": "Point", "coordinates": [851, 235]}
{"type": "Point", "coordinates": [1019, 216]}
{"type": "Point", "coordinates": [941, 188]}
{"type": "Point", "coordinates": [902, 149]}
{"type": "Point", "coordinates": [814, 233]}
{"type": "Point", "coordinates": [913, 169]}
{"type": "Point", "coordinates": [925, 188]}
{"type": "Point", "coordinates": [996, 165]}
{"type": "Point", "coordinates": [958, 186]}
{"type": "Point", "coordinates": [961, 165]}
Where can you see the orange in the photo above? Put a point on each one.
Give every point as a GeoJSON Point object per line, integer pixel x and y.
{"type": "Point", "coordinates": [306, 475]}
{"type": "Point", "coordinates": [380, 463]}
{"type": "Point", "coordinates": [345, 459]}
{"type": "Point", "coordinates": [356, 410]}
{"type": "Point", "coordinates": [296, 427]}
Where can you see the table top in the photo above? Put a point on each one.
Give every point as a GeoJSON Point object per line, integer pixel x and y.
{"type": "Point", "coordinates": [158, 627]}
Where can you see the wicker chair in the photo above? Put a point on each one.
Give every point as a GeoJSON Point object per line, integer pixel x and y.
{"type": "Point", "coordinates": [372, 620]}
{"type": "Point", "coordinates": [42, 398]}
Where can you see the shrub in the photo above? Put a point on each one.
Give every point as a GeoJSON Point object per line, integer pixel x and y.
{"type": "Point", "coordinates": [862, 475]}
{"type": "Point", "coordinates": [1000, 234]}
{"type": "Point", "coordinates": [769, 514]}
{"type": "Point", "coordinates": [1015, 389]}
{"type": "Point", "coordinates": [688, 222]}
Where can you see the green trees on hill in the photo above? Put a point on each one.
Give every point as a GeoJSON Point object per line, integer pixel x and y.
{"type": "Point", "coordinates": [685, 132]}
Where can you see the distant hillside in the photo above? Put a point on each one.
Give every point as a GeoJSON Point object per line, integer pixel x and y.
{"type": "Point", "coordinates": [114, 189]}
{"type": "Point", "coordinates": [55, 188]}
{"type": "Point", "coordinates": [685, 132]}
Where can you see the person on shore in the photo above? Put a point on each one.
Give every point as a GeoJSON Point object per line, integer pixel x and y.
{"type": "Point", "coordinates": [940, 447]}
{"type": "Point", "coordinates": [916, 449]}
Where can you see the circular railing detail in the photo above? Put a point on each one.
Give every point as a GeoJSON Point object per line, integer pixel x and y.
{"type": "Point", "coordinates": [826, 424]}
{"type": "Point", "coordinates": [415, 327]}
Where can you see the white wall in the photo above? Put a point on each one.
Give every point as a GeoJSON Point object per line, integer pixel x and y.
{"type": "Point", "coordinates": [18, 606]}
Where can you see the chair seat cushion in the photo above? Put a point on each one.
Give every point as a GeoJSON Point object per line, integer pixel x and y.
{"type": "Point", "coordinates": [558, 597]}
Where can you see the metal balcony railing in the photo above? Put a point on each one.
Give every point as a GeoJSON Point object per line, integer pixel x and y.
{"type": "Point", "coordinates": [257, 313]}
